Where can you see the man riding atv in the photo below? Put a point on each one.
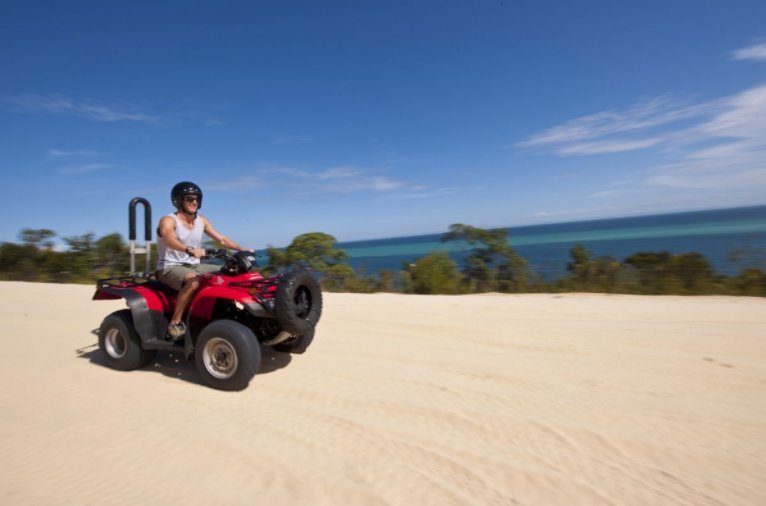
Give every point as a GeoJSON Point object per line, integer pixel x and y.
{"type": "Point", "coordinates": [228, 311]}
{"type": "Point", "coordinates": [179, 249]}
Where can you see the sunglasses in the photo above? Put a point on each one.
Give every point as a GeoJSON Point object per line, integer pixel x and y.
{"type": "Point", "coordinates": [191, 199]}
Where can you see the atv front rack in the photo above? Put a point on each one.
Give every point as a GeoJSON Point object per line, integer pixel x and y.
{"type": "Point", "coordinates": [263, 290]}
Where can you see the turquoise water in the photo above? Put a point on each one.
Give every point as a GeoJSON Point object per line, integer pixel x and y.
{"type": "Point", "coordinates": [424, 248]}
{"type": "Point", "coordinates": [718, 234]}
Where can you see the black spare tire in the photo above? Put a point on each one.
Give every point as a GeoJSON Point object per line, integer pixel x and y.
{"type": "Point", "coordinates": [298, 302]}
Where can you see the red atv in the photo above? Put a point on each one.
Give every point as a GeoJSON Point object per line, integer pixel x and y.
{"type": "Point", "coordinates": [234, 312]}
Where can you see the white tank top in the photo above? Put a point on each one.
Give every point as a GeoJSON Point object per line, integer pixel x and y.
{"type": "Point", "coordinates": [167, 257]}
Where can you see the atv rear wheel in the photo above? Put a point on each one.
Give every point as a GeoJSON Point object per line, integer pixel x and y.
{"type": "Point", "coordinates": [119, 343]}
{"type": "Point", "coordinates": [228, 355]}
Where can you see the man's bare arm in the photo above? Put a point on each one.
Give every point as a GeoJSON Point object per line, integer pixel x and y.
{"type": "Point", "coordinates": [222, 240]}
{"type": "Point", "coordinates": [168, 231]}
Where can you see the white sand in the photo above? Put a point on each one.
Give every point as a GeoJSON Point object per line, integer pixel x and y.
{"type": "Point", "coordinates": [402, 400]}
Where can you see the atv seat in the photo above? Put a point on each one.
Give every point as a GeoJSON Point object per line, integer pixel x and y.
{"type": "Point", "coordinates": [159, 285]}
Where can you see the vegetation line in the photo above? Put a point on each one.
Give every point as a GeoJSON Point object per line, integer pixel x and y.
{"type": "Point", "coordinates": [491, 265]}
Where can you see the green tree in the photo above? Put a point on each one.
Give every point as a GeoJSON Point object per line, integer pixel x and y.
{"type": "Point", "coordinates": [37, 237]}
{"type": "Point", "coordinates": [52, 266]}
{"type": "Point", "coordinates": [751, 281]}
{"type": "Point", "coordinates": [19, 261]}
{"type": "Point", "coordinates": [492, 265]}
{"type": "Point", "coordinates": [693, 273]}
{"type": "Point", "coordinates": [314, 250]}
{"type": "Point", "coordinates": [662, 272]}
{"type": "Point", "coordinates": [112, 255]}
{"type": "Point", "coordinates": [385, 281]}
{"type": "Point", "coordinates": [81, 243]}
{"type": "Point", "coordinates": [336, 278]}
{"type": "Point", "coordinates": [212, 244]}
{"type": "Point", "coordinates": [433, 274]}
{"type": "Point", "coordinates": [651, 271]}
{"type": "Point", "coordinates": [81, 257]}
{"type": "Point", "coordinates": [591, 274]}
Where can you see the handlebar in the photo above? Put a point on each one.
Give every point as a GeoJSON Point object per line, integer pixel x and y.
{"type": "Point", "coordinates": [239, 262]}
{"type": "Point", "coordinates": [215, 253]}
{"type": "Point", "coordinates": [222, 253]}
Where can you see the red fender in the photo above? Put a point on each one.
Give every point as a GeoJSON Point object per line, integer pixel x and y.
{"type": "Point", "coordinates": [203, 304]}
{"type": "Point", "coordinates": [156, 300]}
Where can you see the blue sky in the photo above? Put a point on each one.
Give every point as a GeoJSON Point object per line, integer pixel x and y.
{"type": "Point", "coordinates": [378, 118]}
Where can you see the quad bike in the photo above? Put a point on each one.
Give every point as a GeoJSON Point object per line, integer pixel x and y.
{"type": "Point", "coordinates": [233, 313]}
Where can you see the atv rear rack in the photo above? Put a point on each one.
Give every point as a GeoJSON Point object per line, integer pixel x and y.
{"type": "Point", "coordinates": [131, 281]}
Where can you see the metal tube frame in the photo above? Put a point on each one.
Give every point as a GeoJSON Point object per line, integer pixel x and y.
{"type": "Point", "coordinates": [147, 248]}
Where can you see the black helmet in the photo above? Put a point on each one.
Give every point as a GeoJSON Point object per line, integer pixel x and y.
{"type": "Point", "coordinates": [183, 188]}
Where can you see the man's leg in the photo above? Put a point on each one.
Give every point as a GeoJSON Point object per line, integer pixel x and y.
{"type": "Point", "coordinates": [191, 283]}
{"type": "Point", "coordinates": [186, 280]}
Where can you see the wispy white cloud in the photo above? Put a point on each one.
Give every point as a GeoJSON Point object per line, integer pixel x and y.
{"type": "Point", "coordinates": [241, 184]}
{"type": "Point", "coordinates": [742, 116]}
{"type": "Point", "coordinates": [384, 184]}
{"type": "Point", "coordinates": [82, 169]}
{"type": "Point", "coordinates": [374, 183]}
{"type": "Point", "coordinates": [330, 173]}
{"type": "Point", "coordinates": [102, 111]}
{"type": "Point", "coordinates": [299, 173]}
{"type": "Point", "coordinates": [94, 110]}
{"type": "Point", "coordinates": [340, 179]}
{"type": "Point", "coordinates": [576, 212]}
{"type": "Point", "coordinates": [622, 183]}
{"type": "Point", "coordinates": [755, 52]}
{"type": "Point", "coordinates": [720, 143]}
{"type": "Point", "coordinates": [292, 139]}
{"type": "Point", "coordinates": [339, 172]}
{"type": "Point", "coordinates": [614, 193]}
{"type": "Point", "coordinates": [637, 118]}
{"type": "Point", "coordinates": [727, 151]}
{"type": "Point", "coordinates": [416, 192]}
{"type": "Point", "coordinates": [607, 146]}
{"type": "Point", "coordinates": [77, 152]}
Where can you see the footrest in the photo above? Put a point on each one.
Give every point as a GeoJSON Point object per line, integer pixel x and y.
{"type": "Point", "coordinates": [161, 344]}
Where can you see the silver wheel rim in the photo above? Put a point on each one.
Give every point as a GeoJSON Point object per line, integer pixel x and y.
{"type": "Point", "coordinates": [220, 358]}
{"type": "Point", "coordinates": [115, 343]}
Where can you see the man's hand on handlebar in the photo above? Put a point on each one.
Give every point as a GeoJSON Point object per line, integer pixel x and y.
{"type": "Point", "coordinates": [196, 252]}
{"type": "Point", "coordinates": [213, 253]}
{"type": "Point", "coordinates": [207, 253]}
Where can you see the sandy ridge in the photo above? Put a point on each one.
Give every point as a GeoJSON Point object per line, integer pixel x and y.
{"type": "Point", "coordinates": [493, 399]}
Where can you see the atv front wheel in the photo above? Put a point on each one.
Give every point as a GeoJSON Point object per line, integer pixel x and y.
{"type": "Point", "coordinates": [119, 343]}
{"type": "Point", "coordinates": [228, 355]}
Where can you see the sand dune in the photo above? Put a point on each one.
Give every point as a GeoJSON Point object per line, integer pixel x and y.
{"type": "Point", "coordinates": [402, 400]}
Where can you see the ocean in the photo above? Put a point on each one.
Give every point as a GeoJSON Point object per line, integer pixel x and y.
{"type": "Point", "coordinates": [731, 239]}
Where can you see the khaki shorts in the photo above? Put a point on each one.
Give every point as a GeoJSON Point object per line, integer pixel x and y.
{"type": "Point", "coordinates": [174, 275]}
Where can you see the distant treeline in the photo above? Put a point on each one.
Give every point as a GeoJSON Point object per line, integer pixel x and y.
{"type": "Point", "coordinates": [491, 265]}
